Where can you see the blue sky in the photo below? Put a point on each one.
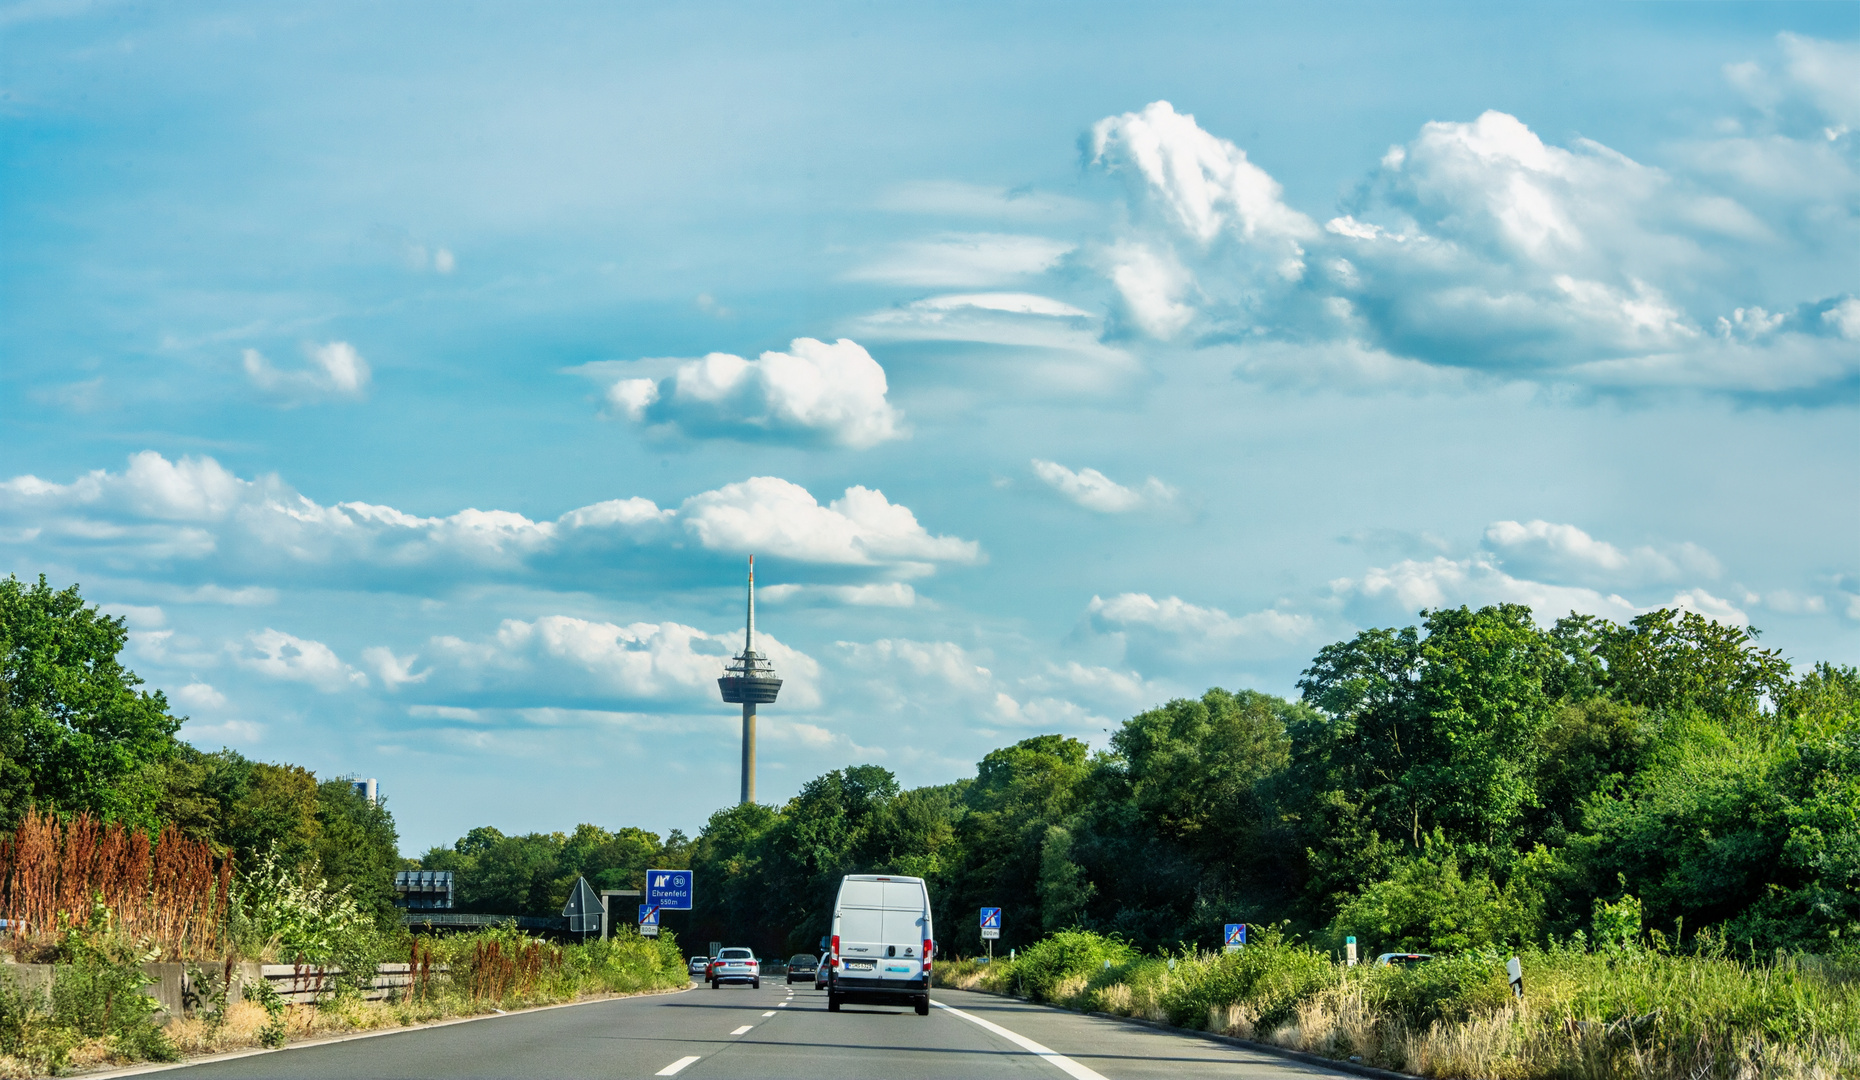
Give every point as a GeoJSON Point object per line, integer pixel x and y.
{"type": "Point", "coordinates": [416, 378]}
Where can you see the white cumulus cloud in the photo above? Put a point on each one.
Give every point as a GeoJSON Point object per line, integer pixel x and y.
{"type": "Point", "coordinates": [1093, 490]}
{"type": "Point", "coordinates": [1178, 618]}
{"type": "Point", "coordinates": [861, 528]}
{"type": "Point", "coordinates": [159, 514]}
{"type": "Point", "coordinates": [1206, 183]}
{"type": "Point", "coordinates": [882, 594]}
{"type": "Point", "coordinates": [571, 658]}
{"type": "Point", "coordinates": [1559, 552]}
{"type": "Point", "coordinates": [833, 392]}
{"type": "Point", "coordinates": [278, 655]}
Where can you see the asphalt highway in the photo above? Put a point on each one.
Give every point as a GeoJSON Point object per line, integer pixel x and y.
{"type": "Point", "coordinates": [737, 1032]}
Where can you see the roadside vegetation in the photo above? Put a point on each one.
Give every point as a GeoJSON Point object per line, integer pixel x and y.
{"type": "Point", "coordinates": [1631, 1010]}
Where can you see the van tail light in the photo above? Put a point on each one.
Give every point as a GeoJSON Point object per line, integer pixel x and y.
{"type": "Point", "coordinates": [836, 951]}
{"type": "Point", "coordinates": [929, 947]}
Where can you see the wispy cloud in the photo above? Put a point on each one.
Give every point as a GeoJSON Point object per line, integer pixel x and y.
{"type": "Point", "coordinates": [964, 260]}
{"type": "Point", "coordinates": [331, 370]}
{"type": "Point", "coordinates": [1093, 490]}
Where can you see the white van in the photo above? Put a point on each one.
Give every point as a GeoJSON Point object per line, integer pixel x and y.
{"type": "Point", "coordinates": [882, 944]}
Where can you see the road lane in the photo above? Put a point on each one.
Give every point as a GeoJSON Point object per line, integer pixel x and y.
{"type": "Point", "coordinates": [738, 1033]}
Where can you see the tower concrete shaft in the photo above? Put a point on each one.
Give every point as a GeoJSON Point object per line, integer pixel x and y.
{"type": "Point", "coordinates": [749, 753]}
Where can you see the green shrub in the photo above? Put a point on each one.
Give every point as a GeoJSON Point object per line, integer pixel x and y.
{"type": "Point", "coordinates": [1448, 989]}
{"type": "Point", "coordinates": [1069, 954]}
{"type": "Point", "coordinates": [292, 914]}
{"type": "Point", "coordinates": [97, 993]}
{"type": "Point", "coordinates": [1270, 976]}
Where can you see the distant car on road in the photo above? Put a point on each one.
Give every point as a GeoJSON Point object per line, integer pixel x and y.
{"type": "Point", "coordinates": [1402, 959]}
{"type": "Point", "coordinates": [801, 967]}
{"type": "Point", "coordinates": [700, 965]}
{"type": "Point", "coordinates": [736, 966]}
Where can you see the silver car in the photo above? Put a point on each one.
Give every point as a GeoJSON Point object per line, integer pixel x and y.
{"type": "Point", "coordinates": [736, 966]}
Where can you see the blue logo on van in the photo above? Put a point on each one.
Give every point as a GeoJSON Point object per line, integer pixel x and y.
{"type": "Point", "coordinates": [891, 967]}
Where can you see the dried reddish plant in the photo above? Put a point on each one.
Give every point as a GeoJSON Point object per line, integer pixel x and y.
{"type": "Point", "coordinates": [170, 892]}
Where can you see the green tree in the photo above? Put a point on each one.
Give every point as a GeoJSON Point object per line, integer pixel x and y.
{"type": "Point", "coordinates": [358, 848]}
{"type": "Point", "coordinates": [1063, 890]}
{"type": "Point", "coordinates": [1420, 732]}
{"type": "Point", "coordinates": [75, 732]}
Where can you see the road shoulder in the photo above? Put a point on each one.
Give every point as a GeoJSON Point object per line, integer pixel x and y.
{"type": "Point", "coordinates": [355, 1036]}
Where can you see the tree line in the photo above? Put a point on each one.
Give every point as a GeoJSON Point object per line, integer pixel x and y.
{"type": "Point", "coordinates": [1472, 779]}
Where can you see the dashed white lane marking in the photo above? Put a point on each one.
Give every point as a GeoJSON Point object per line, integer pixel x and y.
{"type": "Point", "coordinates": [676, 1067]}
{"type": "Point", "coordinates": [771, 1012]}
{"type": "Point", "coordinates": [783, 1005]}
{"type": "Point", "coordinates": [742, 1029]}
{"type": "Point", "coordinates": [1062, 1062]}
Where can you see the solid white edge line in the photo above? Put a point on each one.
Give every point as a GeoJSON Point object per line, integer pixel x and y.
{"type": "Point", "coordinates": [745, 1027]}
{"type": "Point", "coordinates": [676, 1067]}
{"type": "Point", "coordinates": [1062, 1062]}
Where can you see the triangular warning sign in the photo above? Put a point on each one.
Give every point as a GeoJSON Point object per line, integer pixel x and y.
{"type": "Point", "coordinates": [583, 909]}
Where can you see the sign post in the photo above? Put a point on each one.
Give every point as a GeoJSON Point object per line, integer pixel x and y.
{"type": "Point", "coordinates": [1349, 950]}
{"type": "Point", "coordinates": [648, 921]}
{"type": "Point", "coordinates": [1516, 970]}
{"type": "Point", "coordinates": [1234, 936]}
{"type": "Point", "coordinates": [991, 928]}
{"type": "Point", "coordinates": [607, 913]}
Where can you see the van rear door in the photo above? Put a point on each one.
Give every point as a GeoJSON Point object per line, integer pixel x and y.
{"type": "Point", "coordinates": [906, 927]}
{"type": "Point", "coordinates": [861, 927]}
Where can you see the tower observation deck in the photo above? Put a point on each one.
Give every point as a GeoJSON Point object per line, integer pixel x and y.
{"type": "Point", "coordinates": [749, 680]}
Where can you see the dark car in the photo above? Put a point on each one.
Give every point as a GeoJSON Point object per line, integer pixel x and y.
{"type": "Point", "coordinates": [801, 967]}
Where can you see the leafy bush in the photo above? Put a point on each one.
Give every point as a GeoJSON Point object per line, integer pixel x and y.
{"type": "Point", "coordinates": [97, 993]}
{"type": "Point", "coordinates": [1270, 976]}
{"type": "Point", "coordinates": [290, 913]}
{"type": "Point", "coordinates": [1069, 955]}
{"type": "Point", "coordinates": [1445, 989]}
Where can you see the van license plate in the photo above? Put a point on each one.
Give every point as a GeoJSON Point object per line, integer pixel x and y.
{"type": "Point", "coordinates": [859, 965]}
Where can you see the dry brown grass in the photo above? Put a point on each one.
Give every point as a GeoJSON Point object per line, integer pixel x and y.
{"type": "Point", "coordinates": [170, 893]}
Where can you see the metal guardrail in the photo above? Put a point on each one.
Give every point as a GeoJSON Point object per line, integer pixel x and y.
{"type": "Point", "coordinates": [438, 919]}
{"type": "Point", "coordinates": [304, 985]}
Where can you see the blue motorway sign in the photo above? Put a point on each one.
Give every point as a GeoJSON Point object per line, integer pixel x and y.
{"type": "Point", "coordinates": [1236, 934]}
{"type": "Point", "coordinates": [648, 915]}
{"type": "Point", "coordinates": [669, 889]}
{"type": "Point", "coordinates": [991, 918]}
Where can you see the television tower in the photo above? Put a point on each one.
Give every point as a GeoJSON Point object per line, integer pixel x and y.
{"type": "Point", "coordinates": [749, 680]}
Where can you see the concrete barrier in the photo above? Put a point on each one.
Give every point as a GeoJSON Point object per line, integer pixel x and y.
{"type": "Point", "coordinates": [180, 994]}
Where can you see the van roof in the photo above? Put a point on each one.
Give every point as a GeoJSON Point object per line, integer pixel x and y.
{"type": "Point", "coordinates": [883, 877]}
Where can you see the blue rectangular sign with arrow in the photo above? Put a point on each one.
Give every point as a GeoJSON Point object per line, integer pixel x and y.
{"type": "Point", "coordinates": [669, 889]}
